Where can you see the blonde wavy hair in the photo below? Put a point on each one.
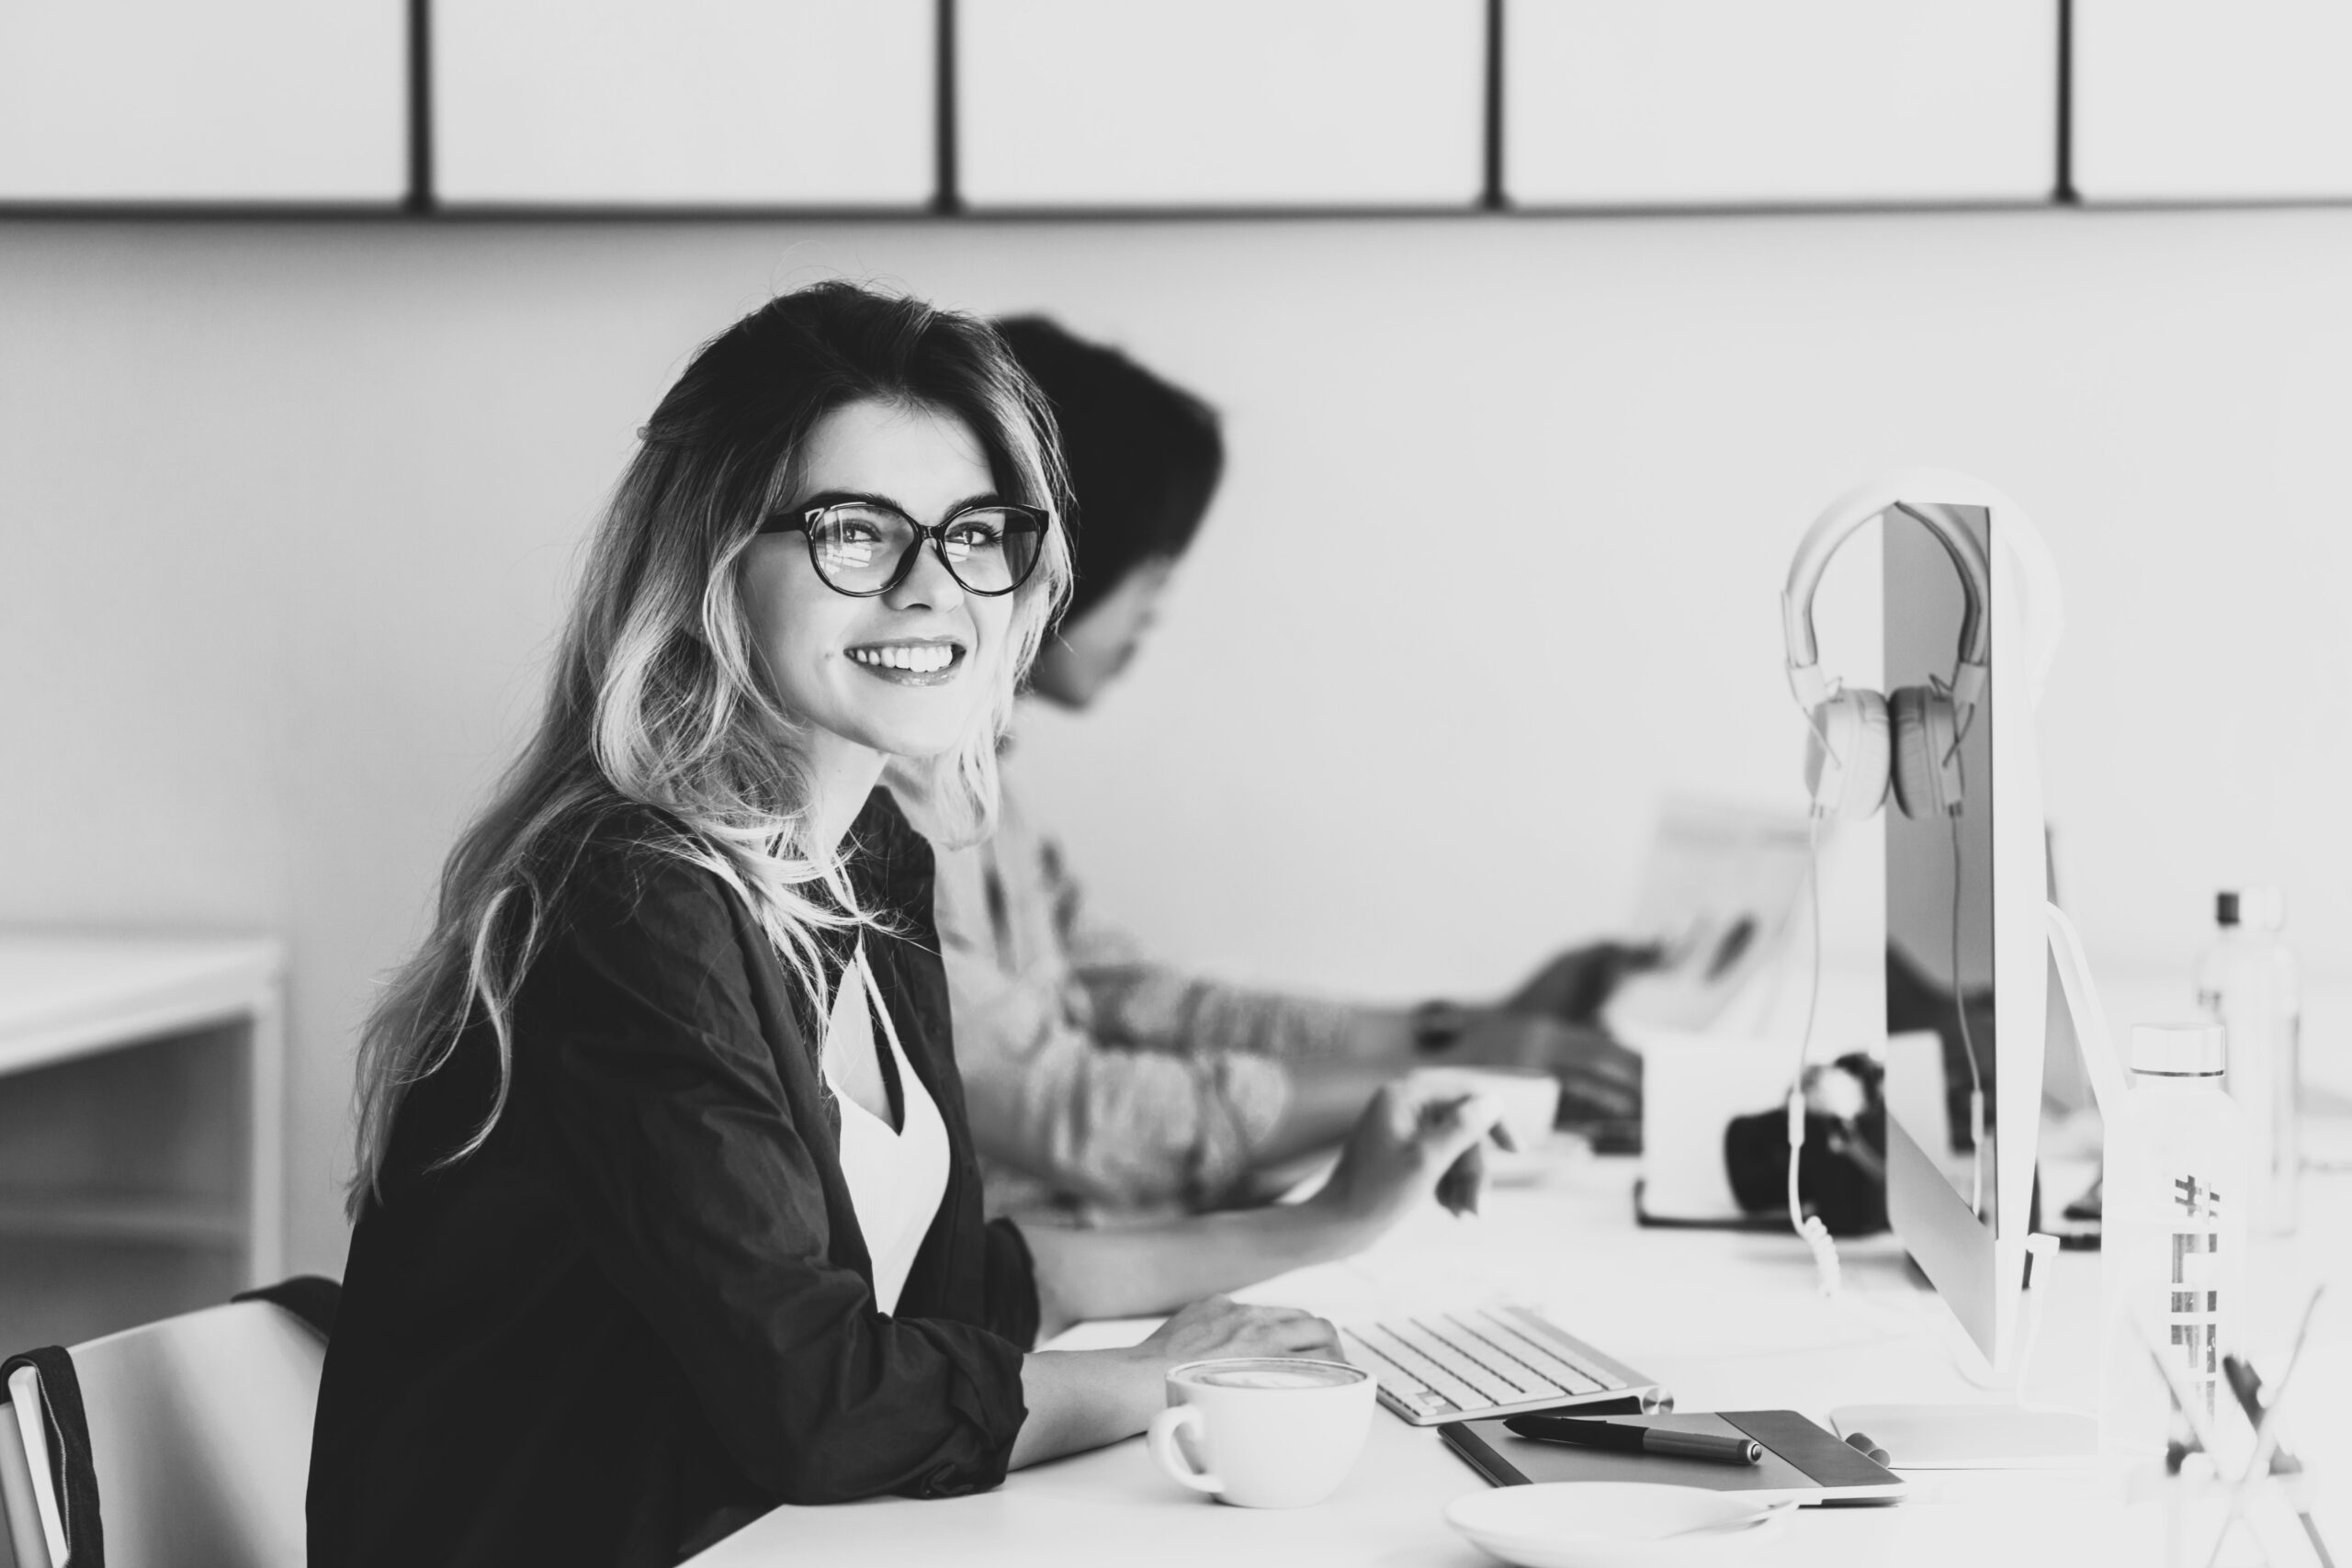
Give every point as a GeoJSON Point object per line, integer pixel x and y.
{"type": "Point", "coordinates": [656, 699]}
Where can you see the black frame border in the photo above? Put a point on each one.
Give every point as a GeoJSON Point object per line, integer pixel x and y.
{"type": "Point", "coordinates": [420, 201]}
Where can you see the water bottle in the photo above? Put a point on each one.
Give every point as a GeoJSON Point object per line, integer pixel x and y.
{"type": "Point", "coordinates": [2174, 1244]}
{"type": "Point", "coordinates": [2248, 983]}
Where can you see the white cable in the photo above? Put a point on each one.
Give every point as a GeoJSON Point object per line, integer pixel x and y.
{"type": "Point", "coordinates": [1809, 1227]}
{"type": "Point", "coordinates": [1967, 1044]}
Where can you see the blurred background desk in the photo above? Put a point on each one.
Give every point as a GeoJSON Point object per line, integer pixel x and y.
{"type": "Point", "coordinates": [141, 1128]}
{"type": "Point", "coordinates": [1729, 1321]}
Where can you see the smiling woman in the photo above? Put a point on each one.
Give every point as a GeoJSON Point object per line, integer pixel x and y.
{"type": "Point", "coordinates": [872, 637]}
{"type": "Point", "coordinates": [666, 1205]}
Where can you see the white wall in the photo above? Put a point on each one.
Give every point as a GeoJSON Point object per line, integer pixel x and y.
{"type": "Point", "coordinates": [285, 512]}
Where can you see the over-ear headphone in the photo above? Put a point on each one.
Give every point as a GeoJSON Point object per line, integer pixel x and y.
{"type": "Point", "coordinates": [1862, 744]}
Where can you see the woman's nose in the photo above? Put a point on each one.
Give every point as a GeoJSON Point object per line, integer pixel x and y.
{"type": "Point", "coordinates": [928, 586]}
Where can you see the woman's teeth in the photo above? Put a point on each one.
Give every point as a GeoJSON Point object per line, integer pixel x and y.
{"type": "Point", "coordinates": [920, 658]}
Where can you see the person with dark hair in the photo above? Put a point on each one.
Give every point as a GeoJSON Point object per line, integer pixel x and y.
{"type": "Point", "coordinates": [666, 1207]}
{"type": "Point", "coordinates": [1102, 1084]}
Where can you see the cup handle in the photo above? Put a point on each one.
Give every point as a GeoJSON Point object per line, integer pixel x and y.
{"type": "Point", "coordinates": [1161, 1439]}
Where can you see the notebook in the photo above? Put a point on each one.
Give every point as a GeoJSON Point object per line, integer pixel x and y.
{"type": "Point", "coordinates": [1802, 1462]}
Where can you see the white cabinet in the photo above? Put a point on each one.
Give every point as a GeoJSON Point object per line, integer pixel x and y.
{"type": "Point", "coordinates": [686, 103]}
{"type": "Point", "coordinates": [142, 1112]}
{"type": "Point", "coordinates": [2201, 100]}
{"type": "Point", "coordinates": [1643, 103]}
{"type": "Point", "coordinates": [223, 101]}
{"type": "Point", "coordinates": [1221, 103]}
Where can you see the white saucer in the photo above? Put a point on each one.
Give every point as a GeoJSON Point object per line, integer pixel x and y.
{"type": "Point", "coordinates": [1608, 1524]}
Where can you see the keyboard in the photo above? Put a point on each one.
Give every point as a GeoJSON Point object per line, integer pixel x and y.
{"type": "Point", "coordinates": [1454, 1366]}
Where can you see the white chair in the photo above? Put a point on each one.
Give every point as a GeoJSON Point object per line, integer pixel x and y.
{"type": "Point", "coordinates": [199, 1432]}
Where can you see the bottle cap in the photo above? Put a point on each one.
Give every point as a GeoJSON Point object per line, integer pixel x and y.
{"type": "Point", "coordinates": [2260, 908]}
{"type": "Point", "coordinates": [2180, 1050]}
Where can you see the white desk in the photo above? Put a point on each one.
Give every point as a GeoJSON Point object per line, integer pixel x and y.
{"type": "Point", "coordinates": [1729, 1321]}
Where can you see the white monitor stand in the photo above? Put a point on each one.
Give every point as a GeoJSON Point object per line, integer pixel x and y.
{"type": "Point", "coordinates": [2009, 1436]}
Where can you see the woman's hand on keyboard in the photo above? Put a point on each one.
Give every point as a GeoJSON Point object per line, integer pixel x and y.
{"type": "Point", "coordinates": [1410, 1135]}
{"type": "Point", "coordinates": [1219, 1325]}
{"type": "Point", "coordinates": [1083, 1399]}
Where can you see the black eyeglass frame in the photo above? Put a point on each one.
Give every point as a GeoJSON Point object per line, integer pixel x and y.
{"type": "Point", "coordinates": [798, 520]}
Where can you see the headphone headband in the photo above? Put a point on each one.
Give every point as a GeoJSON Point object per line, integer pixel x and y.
{"type": "Point", "coordinates": [1908, 490]}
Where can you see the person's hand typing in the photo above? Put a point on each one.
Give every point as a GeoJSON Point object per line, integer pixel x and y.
{"type": "Point", "coordinates": [1575, 987]}
{"type": "Point", "coordinates": [1600, 1079]}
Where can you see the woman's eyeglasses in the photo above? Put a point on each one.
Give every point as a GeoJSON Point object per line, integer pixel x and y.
{"type": "Point", "coordinates": [866, 548]}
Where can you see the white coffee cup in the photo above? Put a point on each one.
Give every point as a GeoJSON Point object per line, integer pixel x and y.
{"type": "Point", "coordinates": [1268, 1431]}
{"type": "Point", "coordinates": [1529, 1099]}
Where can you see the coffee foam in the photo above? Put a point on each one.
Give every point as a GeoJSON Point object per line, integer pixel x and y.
{"type": "Point", "coordinates": [1269, 1375]}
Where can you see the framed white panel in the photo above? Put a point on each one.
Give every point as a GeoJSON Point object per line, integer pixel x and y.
{"type": "Point", "coordinates": [1637, 103]}
{"type": "Point", "coordinates": [686, 103]}
{"type": "Point", "coordinates": [1221, 103]}
{"type": "Point", "coordinates": [2199, 100]}
{"type": "Point", "coordinates": [226, 100]}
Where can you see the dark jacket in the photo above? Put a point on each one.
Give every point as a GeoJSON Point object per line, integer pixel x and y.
{"type": "Point", "coordinates": [642, 1313]}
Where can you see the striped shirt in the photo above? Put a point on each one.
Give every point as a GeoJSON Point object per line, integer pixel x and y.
{"type": "Point", "coordinates": [1101, 1085]}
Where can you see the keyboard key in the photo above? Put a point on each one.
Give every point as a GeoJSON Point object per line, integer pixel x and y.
{"type": "Point", "coordinates": [1510, 1357]}
{"type": "Point", "coordinates": [1383, 1340]}
{"type": "Point", "coordinates": [1509, 1353]}
{"type": "Point", "coordinates": [1541, 1358]}
{"type": "Point", "coordinates": [1546, 1351]}
{"type": "Point", "coordinates": [1496, 1386]}
{"type": "Point", "coordinates": [1386, 1372]}
{"type": "Point", "coordinates": [1521, 1382]}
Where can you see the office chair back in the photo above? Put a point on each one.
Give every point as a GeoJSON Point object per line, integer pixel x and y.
{"type": "Point", "coordinates": [198, 1441]}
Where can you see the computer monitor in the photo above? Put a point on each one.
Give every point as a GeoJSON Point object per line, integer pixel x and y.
{"type": "Point", "coordinates": [1956, 906]}
{"type": "Point", "coordinates": [1965, 901]}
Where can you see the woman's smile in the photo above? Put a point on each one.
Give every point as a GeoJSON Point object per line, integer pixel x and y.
{"type": "Point", "coordinates": [924, 661]}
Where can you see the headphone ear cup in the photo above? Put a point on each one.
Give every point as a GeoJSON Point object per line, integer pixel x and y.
{"type": "Point", "coordinates": [1926, 754]}
{"type": "Point", "coordinates": [1845, 755]}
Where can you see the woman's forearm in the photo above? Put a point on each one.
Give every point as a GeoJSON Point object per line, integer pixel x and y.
{"type": "Point", "coordinates": [1325, 1099]}
{"type": "Point", "coordinates": [1134, 1270]}
{"type": "Point", "coordinates": [1083, 1399]}
{"type": "Point", "coordinates": [1327, 1093]}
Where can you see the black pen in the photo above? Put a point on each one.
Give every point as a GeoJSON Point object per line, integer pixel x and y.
{"type": "Point", "coordinates": [2246, 1384]}
{"type": "Point", "coordinates": [1623, 1434]}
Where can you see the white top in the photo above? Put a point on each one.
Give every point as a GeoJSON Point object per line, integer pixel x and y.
{"type": "Point", "coordinates": [896, 1177]}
